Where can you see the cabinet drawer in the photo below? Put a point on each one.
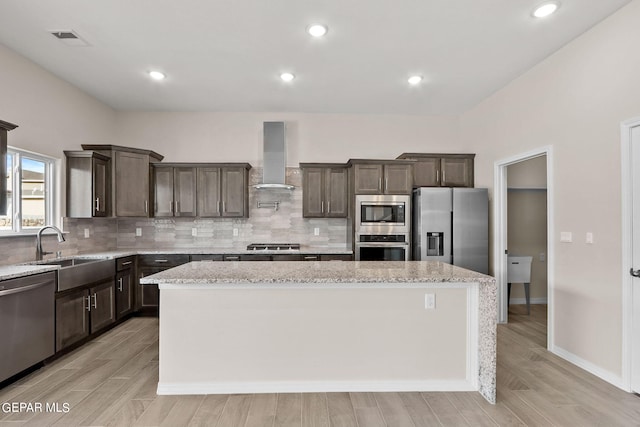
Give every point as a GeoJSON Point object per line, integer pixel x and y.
{"type": "Point", "coordinates": [125, 263]}
{"type": "Point", "coordinates": [162, 260]}
{"type": "Point", "coordinates": [206, 257]}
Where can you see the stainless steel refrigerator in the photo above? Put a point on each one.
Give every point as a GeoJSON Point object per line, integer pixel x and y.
{"type": "Point", "coordinates": [452, 225]}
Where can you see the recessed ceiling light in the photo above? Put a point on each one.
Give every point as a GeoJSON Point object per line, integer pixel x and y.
{"type": "Point", "coordinates": [546, 9]}
{"type": "Point", "coordinates": [317, 30]}
{"type": "Point", "coordinates": [414, 80]}
{"type": "Point", "coordinates": [287, 77]}
{"type": "Point", "coordinates": [157, 75]}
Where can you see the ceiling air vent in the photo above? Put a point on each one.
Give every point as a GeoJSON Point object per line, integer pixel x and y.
{"type": "Point", "coordinates": [69, 37]}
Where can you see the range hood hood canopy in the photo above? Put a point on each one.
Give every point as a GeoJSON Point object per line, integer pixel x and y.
{"type": "Point", "coordinates": [275, 157]}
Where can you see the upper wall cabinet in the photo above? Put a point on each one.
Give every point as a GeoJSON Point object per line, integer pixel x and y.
{"type": "Point", "coordinates": [223, 190]}
{"type": "Point", "coordinates": [88, 184]}
{"type": "Point", "coordinates": [4, 128]}
{"type": "Point", "coordinates": [442, 170]}
{"type": "Point", "coordinates": [174, 190]}
{"type": "Point", "coordinates": [324, 190]}
{"type": "Point", "coordinates": [382, 176]}
{"type": "Point", "coordinates": [130, 178]}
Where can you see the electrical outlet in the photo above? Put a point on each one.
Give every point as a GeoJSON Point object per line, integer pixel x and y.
{"type": "Point", "coordinates": [194, 232]}
{"type": "Point", "coordinates": [542, 257]}
{"type": "Point", "coordinates": [138, 231]}
{"type": "Point", "coordinates": [429, 301]}
{"type": "Point", "coordinates": [589, 238]}
{"type": "Point", "coordinates": [566, 237]}
{"type": "Point", "coordinates": [316, 231]}
{"type": "Point", "coordinates": [87, 233]}
{"type": "Point", "coordinates": [235, 232]}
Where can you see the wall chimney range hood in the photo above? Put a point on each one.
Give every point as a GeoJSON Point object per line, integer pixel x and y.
{"type": "Point", "coordinates": [275, 158]}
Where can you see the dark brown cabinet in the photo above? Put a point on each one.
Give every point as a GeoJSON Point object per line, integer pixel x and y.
{"type": "Point", "coordinates": [382, 177]}
{"type": "Point", "coordinates": [88, 184]}
{"type": "Point", "coordinates": [148, 295]}
{"type": "Point", "coordinates": [4, 128]}
{"type": "Point", "coordinates": [324, 190]}
{"type": "Point", "coordinates": [174, 191]}
{"type": "Point", "coordinates": [83, 312]}
{"type": "Point", "coordinates": [130, 178]}
{"type": "Point", "coordinates": [442, 170]}
{"type": "Point", "coordinates": [222, 190]}
{"type": "Point", "coordinates": [125, 286]}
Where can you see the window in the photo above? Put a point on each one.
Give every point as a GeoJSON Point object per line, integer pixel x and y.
{"type": "Point", "coordinates": [29, 191]}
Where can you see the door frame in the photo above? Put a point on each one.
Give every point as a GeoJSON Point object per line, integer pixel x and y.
{"type": "Point", "coordinates": [627, 249]}
{"type": "Point", "coordinates": [500, 232]}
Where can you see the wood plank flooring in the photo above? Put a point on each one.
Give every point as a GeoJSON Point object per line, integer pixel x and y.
{"type": "Point", "coordinates": [112, 381]}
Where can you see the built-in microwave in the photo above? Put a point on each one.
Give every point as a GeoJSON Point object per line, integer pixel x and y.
{"type": "Point", "coordinates": [383, 214]}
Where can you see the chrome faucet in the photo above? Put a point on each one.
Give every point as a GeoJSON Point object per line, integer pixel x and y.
{"type": "Point", "coordinates": [39, 251]}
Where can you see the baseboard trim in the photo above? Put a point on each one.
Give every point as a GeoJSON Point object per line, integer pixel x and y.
{"type": "Point", "coordinates": [313, 387]}
{"type": "Point", "coordinates": [524, 301]}
{"type": "Point", "coordinates": [603, 374]}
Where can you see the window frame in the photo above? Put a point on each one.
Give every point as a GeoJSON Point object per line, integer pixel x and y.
{"type": "Point", "coordinates": [51, 177]}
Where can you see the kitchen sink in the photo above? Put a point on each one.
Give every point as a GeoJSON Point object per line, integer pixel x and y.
{"type": "Point", "coordinates": [75, 272]}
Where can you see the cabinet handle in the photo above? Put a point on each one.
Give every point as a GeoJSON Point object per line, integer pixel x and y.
{"type": "Point", "coordinates": [95, 301]}
{"type": "Point", "coordinates": [437, 176]}
{"type": "Point", "coordinates": [162, 261]}
{"type": "Point", "coordinates": [177, 204]}
{"type": "Point", "coordinates": [120, 284]}
{"type": "Point", "coordinates": [328, 207]}
{"type": "Point", "coordinates": [171, 207]}
{"type": "Point", "coordinates": [444, 177]}
{"type": "Point", "coordinates": [146, 206]}
{"type": "Point", "coordinates": [97, 204]}
{"type": "Point", "coordinates": [223, 207]}
{"type": "Point", "coordinates": [88, 307]}
{"type": "Point", "coordinates": [219, 208]}
{"type": "Point", "coordinates": [232, 258]}
{"type": "Point", "coordinates": [127, 263]}
{"type": "Point", "coordinates": [380, 183]}
{"type": "Point", "coordinates": [322, 206]}
{"type": "Point", "coordinates": [311, 258]}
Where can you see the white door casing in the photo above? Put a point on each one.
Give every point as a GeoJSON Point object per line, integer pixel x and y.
{"type": "Point", "coordinates": [500, 233]}
{"type": "Point", "coordinates": [630, 131]}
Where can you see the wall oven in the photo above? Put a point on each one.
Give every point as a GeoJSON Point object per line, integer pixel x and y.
{"type": "Point", "coordinates": [383, 214]}
{"type": "Point", "coordinates": [382, 247]}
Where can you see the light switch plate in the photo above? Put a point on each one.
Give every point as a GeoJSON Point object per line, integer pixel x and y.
{"type": "Point", "coordinates": [87, 233]}
{"type": "Point", "coordinates": [138, 231]}
{"type": "Point", "coordinates": [316, 231]}
{"type": "Point", "coordinates": [235, 232]}
{"type": "Point", "coordinates": [429, 301]}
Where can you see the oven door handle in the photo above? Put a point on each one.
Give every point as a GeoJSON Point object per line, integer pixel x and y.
{"type": "Point", "coordinates": [381, 244]}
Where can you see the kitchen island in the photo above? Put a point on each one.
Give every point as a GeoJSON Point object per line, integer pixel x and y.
{"type": "Point", "coordinates": [266, 327]}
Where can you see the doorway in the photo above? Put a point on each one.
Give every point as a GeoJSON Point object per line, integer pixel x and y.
{"type": "Point", "coordinates": [500, 230]}
{"type": "Point", "coordinates": [630, 132]}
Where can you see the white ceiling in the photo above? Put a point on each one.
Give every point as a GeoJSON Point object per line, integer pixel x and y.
{"type": "Point", "coordinates": [228, 55]}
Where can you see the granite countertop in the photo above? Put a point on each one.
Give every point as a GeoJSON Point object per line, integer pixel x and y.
{"type": "Point", "coordinates": [14, 271]}
{"type": "Point", "coordinates": [206, 272]}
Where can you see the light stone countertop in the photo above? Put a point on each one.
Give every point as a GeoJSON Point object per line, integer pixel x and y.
{"type": "Point", "coordinates": [14, 271]}
{"type": "Point", "coordinates": [287, 272]}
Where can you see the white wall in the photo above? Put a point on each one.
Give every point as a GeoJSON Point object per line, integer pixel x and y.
{"type": "Point", "coordinates": [52, 115]}
{"type": "Point", "coordinates": [237, 137]}
{"type": "Point", "coordinates": [575, 101]}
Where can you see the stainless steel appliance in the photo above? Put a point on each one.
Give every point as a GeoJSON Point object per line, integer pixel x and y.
{"type": "Point", "coordinates": [273, 247]}
{"type": "Point", "coordinates": [383, 214]}
{"type": "Point", "coordinates": [27, 316]}
{"type": "Point", "coordinates": [452, 225]}
{"type": "Point", "coordinates": [382, 247]}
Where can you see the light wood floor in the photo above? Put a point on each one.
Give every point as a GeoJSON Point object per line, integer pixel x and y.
{"type": "Point", "coordinates": [112, 381]}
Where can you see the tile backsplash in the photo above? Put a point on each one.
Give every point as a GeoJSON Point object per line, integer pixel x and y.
{"type": "Point", "coordinates": [264, 225]}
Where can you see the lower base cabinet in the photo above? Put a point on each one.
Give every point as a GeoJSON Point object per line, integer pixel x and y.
{"type": "Point", "coordinates": [83, 312]}
{"type": "Point", "coordinates": [125, 286]}
{"type": "Point", "coordinates": [148, 295]}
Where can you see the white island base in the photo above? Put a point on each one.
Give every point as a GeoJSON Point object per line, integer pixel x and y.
{"type": "Point", "coordinates": [320, 336]}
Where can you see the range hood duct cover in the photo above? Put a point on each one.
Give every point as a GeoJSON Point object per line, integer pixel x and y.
{"type": "Point", "coordinates": [275, 157]}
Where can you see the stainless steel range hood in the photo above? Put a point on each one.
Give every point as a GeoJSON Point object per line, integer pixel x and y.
{"type": "Point", "coordinates": [275, 158]}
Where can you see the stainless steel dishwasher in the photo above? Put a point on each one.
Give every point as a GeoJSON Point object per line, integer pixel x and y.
{"type": "Point", "coordinates": [27, 322]}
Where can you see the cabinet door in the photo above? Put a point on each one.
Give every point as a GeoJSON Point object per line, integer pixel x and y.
{"type": "Point", "coordinates": [163, 191]}
{"type": "Point", "coordinates": [148, 295]}
{"type": "Point", "coordinates": [398, 179]}
{"type": "Point", "coordinates": [72, 318]}
{"type": "Point", "coordinates": [103, 303]}
{"type": "Point", "coordinates": [368, 179]}
{"type": "Point", "coordinates": [426, 172]}
{"type": "Point", "coordinates": [184, 191]}
{"type": "Point", "coordinates": [208, 192]}
{"type": "Point", "coordinates": [132, 184]}
{"type": "Point", "coordinates": [457, 172]}
{"type": "Point", "coordinates": [234, 192]}
{"type": "Point", "coordinates": [100, 187]}
{"type": "Point", "coordinates": [124, 293]}
{"type": "Point", "coordinates": [313, 192]}
{"type": "Point", "coordinates": [336, 193]}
